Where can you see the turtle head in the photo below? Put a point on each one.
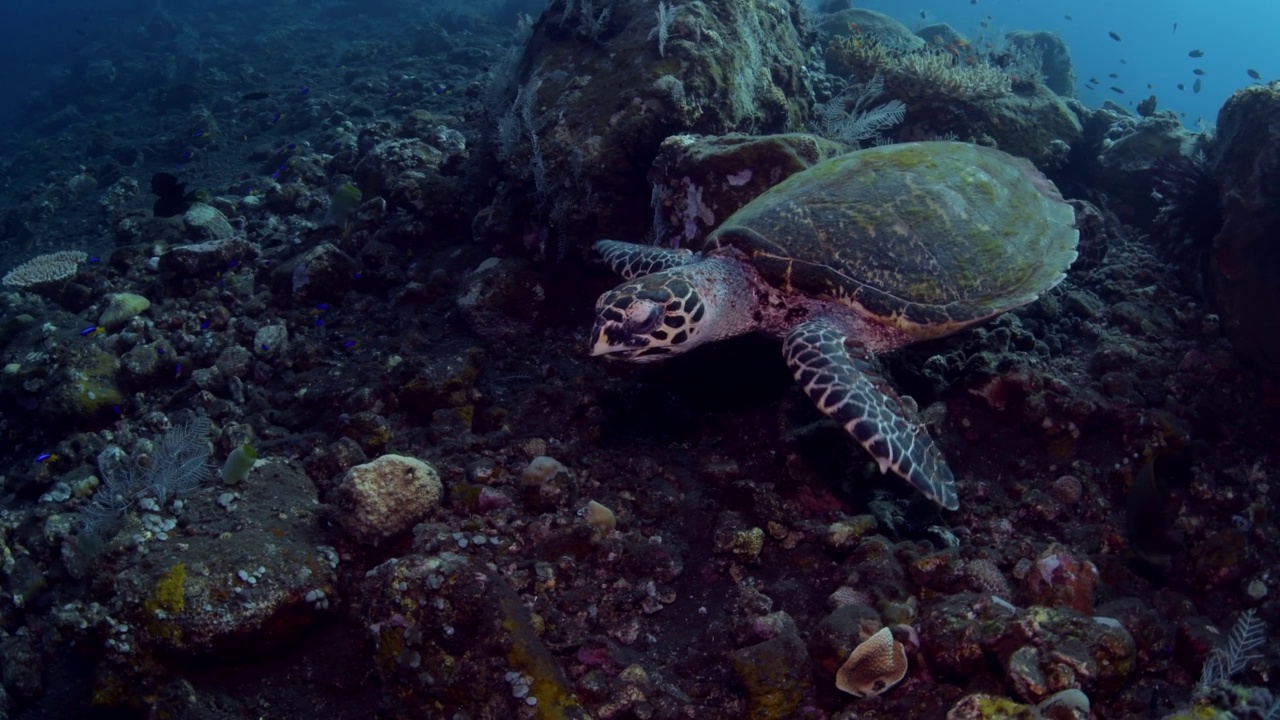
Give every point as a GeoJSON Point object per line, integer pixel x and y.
{"type": "Point", "coordinates": [648, 318]}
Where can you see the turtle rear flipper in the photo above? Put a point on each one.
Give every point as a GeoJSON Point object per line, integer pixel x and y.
{"type": "Point", "coordinates": [631, 260]}
{"type": "Point", "coordinates": [841, 381]}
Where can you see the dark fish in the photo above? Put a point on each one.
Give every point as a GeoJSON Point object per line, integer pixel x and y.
{"type": "Point", "coordinates": [1195, 87]}
{"type": "Point", "coordinates": [1198, 71]}
{"type": "Point", "coordinates": [1114, 36]}
{"type": "Point", "coordinates": [1123, 61]}
{"type": "Point", "coordinates": [1149, 510]}
{"type": "Point", "coordinates": [1113, 75]}
{"type": "Point", "coordinates": [1115, 89]}
{"type": "Point", "coordinates": [922, 13]}
{"type": "Point", "coordinates": [1067, 17]}
{"type": "Point", "coordinates": [1090, 87]}
{"type": "Point", "coordinates": [171, 194]}
{"type": "Point", "coordinates": [1253, 74]}
{"type": "Point", "coordinates": [259, 95]}
{"type": "Point", "coordinates": [1094, 80]}
{"type": "Point", "coordinates": [80, 32]}
{"type": "Point", "coordinates": [1196, 53]}
{"type": "Point", "coordinates": [1175, 27]}
{"type": "Point", "coordinates": [1181, 86]}
{"type": "Point", "coordinates": [973, 2]}
{"type": "Point", "coordinates": [304, 90]}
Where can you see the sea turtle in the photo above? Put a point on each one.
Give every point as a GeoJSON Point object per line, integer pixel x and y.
{"type": "Point", "coordinates": [860, 254]}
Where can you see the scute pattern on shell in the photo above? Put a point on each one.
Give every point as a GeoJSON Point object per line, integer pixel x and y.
{"type": "Point", "coordinates": [928, 236]}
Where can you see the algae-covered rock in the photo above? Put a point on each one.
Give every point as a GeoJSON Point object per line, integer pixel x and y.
{"type": "Point", "coordinates": [85, 389]}
{"type": "Point", "coordinates": [234, 597]}
{"type": "Point", "coordinates": [777, 675]}
{"type": "Point", "coordinates": [451, 635]}
{"type": "Point", "coordinates": [121, 308]}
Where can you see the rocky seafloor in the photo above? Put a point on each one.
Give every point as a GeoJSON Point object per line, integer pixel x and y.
{"type": "Point", "coordinates": [587, 539]}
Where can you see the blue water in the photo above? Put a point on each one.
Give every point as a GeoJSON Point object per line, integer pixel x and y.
{"type": "Point", "coordinates": [1235, 35]}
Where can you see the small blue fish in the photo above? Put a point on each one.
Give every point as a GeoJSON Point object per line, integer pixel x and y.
{"type": "Point", "coordinates": [322, 306]}
{"type": "Point", "coordinates": [89, 330]}
{"type": "Point", "coordinates": [265, 347]}
{"type": "Point", "coordinates": [94, 259]}
{"type": "Point", "coordinates": [186, 155]}
{"type": "Point", "coordinates": [232, 263]}
{"type": "Point", "coordinates": [205, 325]}
{"type": "Point", "coordinates": [177, 372]}
{"type": "Point", "coordinates": [43, 456]}
{"type": "Point", "coordinates": [304, 90]}
{"type": "Point", "coordinates": [197, 134]}
{"type": "Point", "coordinates": [275, 118]}
{"type": "Point", "coordinates": [357, 276]}
{"type": "Point", "coordinates": [349, 344]}
{"type": "Point", "coordinates": [319, 322]}
{"type": "Point", "coordinates": [160, 351]}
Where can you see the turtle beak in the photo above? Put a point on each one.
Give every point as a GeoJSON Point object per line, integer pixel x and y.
{"type": "Point", "coordinates": [599, 343]}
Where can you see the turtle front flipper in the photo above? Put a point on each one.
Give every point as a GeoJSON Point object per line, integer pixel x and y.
{"type": "Point", "coordinates": [841, 381]}
{"type": "Point", "coordinates": [630, 260]}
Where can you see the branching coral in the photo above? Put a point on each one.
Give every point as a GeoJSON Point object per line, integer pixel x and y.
{"type": "Point", "coordinates": [930, 73]}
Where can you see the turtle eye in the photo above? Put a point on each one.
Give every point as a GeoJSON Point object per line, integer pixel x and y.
{"type": "Point", "coordinates": [642, 317]}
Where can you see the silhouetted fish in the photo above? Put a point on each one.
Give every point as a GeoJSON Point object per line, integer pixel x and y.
{"type": "Point", "coordinates": [1196, 86]}
{"type": "Point", "coordinates": [1253, 74]}
{"type": "Point", "coordinates": [260, 95]}
{"type": "Point", "coordinates": [1115, 89]}
{"type": "Point", "coordinates": [1198, 71]}
{"type": "Point", "coordinates": [1196, 53]}
{"type": "Point", "coordinates": [1114, 36]}
{"type": "Point", "coordinates": [171, 196]}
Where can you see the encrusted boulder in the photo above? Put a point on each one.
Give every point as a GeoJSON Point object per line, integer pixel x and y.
{"type": "Point", "coordinates": [199, 594]}
{"type": "Point", "coordinates": [587, 124]}
{"type": "Point", "coordinates": [701, 180]}
{"type": "Point", "coordinates": [387, 496]}
{"type": "Point", "coordinates": [1051, 52]}
{"type": "Point", "coordinates": [1245, 264]}
{"type": "Point", "coordinates": [1131, 151]}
